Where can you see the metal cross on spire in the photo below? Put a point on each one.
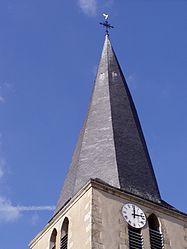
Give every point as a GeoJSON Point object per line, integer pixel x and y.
{"type": "Point", "coordinates": [106, 24]}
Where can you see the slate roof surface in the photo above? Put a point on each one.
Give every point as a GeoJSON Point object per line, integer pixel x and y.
{"type": "Point", "coordinates": [111, 145]}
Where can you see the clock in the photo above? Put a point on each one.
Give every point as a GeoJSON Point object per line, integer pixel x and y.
{"type": "Point", "coordinates": [133, 215]}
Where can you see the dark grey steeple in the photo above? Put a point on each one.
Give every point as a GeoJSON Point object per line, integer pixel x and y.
{"type": "Point", "coordinates": [111, 145]}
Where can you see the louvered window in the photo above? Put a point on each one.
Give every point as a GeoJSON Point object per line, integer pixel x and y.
{"type": "Point", "coordinates": [156, 236]}
{"type": "Point", "coordinates": [64, 234]}
{"type": "Point", "coordinates": [135, 239]}
{"type": "Point", "coordinates": [53, 239]}
{"type": "Point", "coordinates": [64, 242]}
{"type": "Point", "coordinates": [156, 239]}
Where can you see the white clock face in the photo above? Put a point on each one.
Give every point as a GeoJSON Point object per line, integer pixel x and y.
{"type": "Point", "coordinates": [134, 216]}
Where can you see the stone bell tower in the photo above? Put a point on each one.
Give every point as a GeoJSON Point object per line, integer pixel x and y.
{"type": "Point", "coordinates": [110, 197]}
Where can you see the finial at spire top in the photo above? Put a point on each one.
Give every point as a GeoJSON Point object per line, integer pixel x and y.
{"type": "Point", "coordinates": [106, 24]}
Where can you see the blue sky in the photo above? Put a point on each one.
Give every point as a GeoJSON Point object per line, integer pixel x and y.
{"type": "Point", "coordinates": [49, 52]}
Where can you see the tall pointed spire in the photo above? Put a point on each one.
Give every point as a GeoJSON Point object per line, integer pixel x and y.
{"type": "Point", "coordinates": [111, 145]}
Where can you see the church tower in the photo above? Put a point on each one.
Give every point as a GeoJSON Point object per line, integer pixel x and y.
{"type": "Point", "coordinates": [110, 197]}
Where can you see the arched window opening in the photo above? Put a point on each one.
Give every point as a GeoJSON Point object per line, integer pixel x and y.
{"type": "Point", "coordinates": [53, 239]}
{"type": "Point", "coordinates": [64, 234]}
{"type": "Point", "coordinates": [156, 236]}
{"type": "Point", "coordinates": [135, 238]}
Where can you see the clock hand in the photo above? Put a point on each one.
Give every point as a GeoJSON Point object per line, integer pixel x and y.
{"type": "Point", "coordinates": [134, 211]}
{"type": "Point", "coordinates": [140, 215]}
{"type": "Point", "coordinates": [136, 215]}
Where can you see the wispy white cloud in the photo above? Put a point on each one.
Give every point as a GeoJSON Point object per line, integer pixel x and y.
{"type": "Point", "coordinates": [89, 7]}
{"type": "Point", "coordinates": [92, 7]}
{"type": "Point", "coordinates": [8, 213]}
{"type": "Point", "coordinates": [11, 213]}
{"type": "Point", "coordinates": [35, 208]}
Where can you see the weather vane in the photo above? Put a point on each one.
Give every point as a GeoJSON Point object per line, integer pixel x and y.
{"type": "Point", "coordinates": [106, 24]}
